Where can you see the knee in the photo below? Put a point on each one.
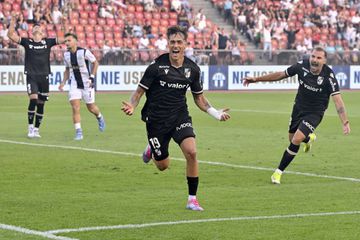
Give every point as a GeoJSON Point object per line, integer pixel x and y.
{"type": "Point", "coordinates": [296, 141]}
{"type": "Point", "coordinates": [76, 108]}
{"type": "Point", "coordinates": [191, 154]}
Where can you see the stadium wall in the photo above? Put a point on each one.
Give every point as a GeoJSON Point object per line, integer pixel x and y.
{"type": "Point", "coordinates": [126, 78]}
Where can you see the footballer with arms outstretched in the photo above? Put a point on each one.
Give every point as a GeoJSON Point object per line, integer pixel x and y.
{"type": "Point", "coordinates": [317, 83]}
{"type": "Point", "coordinates": [165, 112]}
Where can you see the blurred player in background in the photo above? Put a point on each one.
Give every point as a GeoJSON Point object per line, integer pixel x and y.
{"type": "Point", "coordinates": [77, 62]}
{"type": "Point", "coordinates": [317, 83]}
{"type": "Point", "coordinates": [165, 112]}
{"type": "Point", "coordinates": [37, 70]}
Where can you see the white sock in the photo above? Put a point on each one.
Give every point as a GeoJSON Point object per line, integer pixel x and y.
{"type": "Point", "coordinates": [31, 125]}
{"type": "Point", "coordinates": [279, 171]}
{"type": "Point", "coordinates": [99, 116]}
{"type": "Point", "coordinates": [191, 197]}
{"type": "Point", "coordinates": [77, 125]}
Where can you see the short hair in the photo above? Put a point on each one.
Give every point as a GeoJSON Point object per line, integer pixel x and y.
{"type": "Point", "coordinates": [320, 49]}
{"type": "Point", "coordinates": [175, 30]}
{"type": "Point", "coordinates": [72, 35]}
{"type": "Point", "coordinates": [34, 26]}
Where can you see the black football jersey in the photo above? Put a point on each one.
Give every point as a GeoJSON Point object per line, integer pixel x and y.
{"type": "Point", "coordinates": [166, 88]}
{"type": "Point", "coordinates": [314, 90]}
{"type": "Point", "coordinates": [37, 55]}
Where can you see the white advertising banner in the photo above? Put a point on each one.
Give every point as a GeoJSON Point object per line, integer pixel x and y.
{"type": "Point", "coordinates": [108, 78]}
{"type": "Point", "coordinates": [237, 73]}
{"type": "Point", "coordinates": [354, 77]}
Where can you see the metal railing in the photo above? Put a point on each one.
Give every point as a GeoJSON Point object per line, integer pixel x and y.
{"type": "Point", "coordinates": [202, 57]}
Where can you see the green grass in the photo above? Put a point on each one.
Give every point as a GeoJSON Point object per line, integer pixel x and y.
{"type": "Point", "coordinates": [47, 188]}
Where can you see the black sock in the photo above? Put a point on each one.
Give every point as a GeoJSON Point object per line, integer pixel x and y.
{"type": "Point", "coordinates": [193, 183]}
{"type": "Point", "coordinates": [288, 156]}
{"type": "Point", "coordinates": [307, 139]}
{"type": "Point", "coordinates": [31, 110]}
{"type": "Point", "coordinates": [39, 114]}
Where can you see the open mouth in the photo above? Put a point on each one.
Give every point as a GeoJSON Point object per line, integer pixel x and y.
{"type": "Point", "coordinates": [175, 51]}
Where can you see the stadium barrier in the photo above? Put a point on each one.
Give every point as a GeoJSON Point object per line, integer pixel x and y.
{"type": "Point", "coordinates": [214, 77]}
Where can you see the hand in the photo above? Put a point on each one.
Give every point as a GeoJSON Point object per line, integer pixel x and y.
{"type": "Point", "coordinates": [127, 108]}
{"type": "Point", "coordinates": [61, 87]}
{"type": "Point", "coordinates": [224, 115]}
{"type": "Point", "coordinates": [248, 80]}
{"type": "Point", "coordinates": [346, 128]}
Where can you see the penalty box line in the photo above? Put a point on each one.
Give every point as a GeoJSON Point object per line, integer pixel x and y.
{"type": "Point", "coordinates": [351, 179]}
{"type": "Point", "coordinates": [146, 225]}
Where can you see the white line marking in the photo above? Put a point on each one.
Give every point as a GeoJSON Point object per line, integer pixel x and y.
{"type": "Point", "coordinates": [33, 232]}
{"type": "Point", "coordinates": [281, 112]}
{"type": "Point", "coordinates": [179, 159]}
{"type": "Point", "coordinates": [145, 225]}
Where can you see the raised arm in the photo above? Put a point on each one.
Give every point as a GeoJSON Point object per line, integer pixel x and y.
{"type": "Point", "coordinates": [12, 33]}
{"type": "Point", "coordinates": [271, 77]}
{"type": "Point", "coordinates": [340, 108]}
{"type": "Point", "coordinates": [129, 107]}
{"type": "Point", "coordinates": [202, 103]}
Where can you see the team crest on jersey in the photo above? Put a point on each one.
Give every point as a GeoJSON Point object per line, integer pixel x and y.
{"type": "Point", "coordinates": [320, 80]}
{"type": "Point", "coordinates": [187, 72]}
{"type": "Point", "coordinates": [43, 41]}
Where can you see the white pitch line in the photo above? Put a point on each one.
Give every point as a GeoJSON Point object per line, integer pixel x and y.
{"type": "Point", "coordinates": [145, 225]}
{"type": "Point", "coordinates": [179, 159]}
{"type": "Point", "coordinates": [282, 112]}
{"type": "Point", "coordinates": [33, 232]}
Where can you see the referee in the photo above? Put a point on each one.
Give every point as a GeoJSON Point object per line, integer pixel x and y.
{"type": "Point", "coordinates": [37, 70]}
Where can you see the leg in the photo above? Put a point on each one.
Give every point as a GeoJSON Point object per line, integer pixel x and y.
{"type": "Point", "coordinates": [75, 106]}
{"type": "Point", "coordinates": [33, 98]}
{"type": "Point", "coordinates": [89, 98]}
{"type": "Point", "coordinates": [43, 95]}
{"type": "Point", "coordinates": [188, 147]}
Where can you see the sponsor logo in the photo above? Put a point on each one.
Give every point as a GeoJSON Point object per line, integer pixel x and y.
{"type": "Point", "coordinates": [177, 85]}
{"type": "Point", "coordinates": [183, 125]}
{"type": "Point", "coordinates": [37, 47]}
{"type": "Point", "coordinates": [162, 83]}
{"type": "Point", "coordinates": [187, 72]}
{"type": "Point", "coordinates": [311, 88]}
{"type": "Point", "coordinates": [218, 79]}
{"type": "Point", "coordinates": [320, 80]}
{"type": "Point", "coordinates": [308, 125]}
{"type": "Point", "coordinates": [341, 77]}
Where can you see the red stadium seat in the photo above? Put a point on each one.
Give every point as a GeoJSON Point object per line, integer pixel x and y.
{"type": "Point", "coordinates": [98, 28]}
{"type": "Point", "coordinates": [155, 23]}
{"type": "Point", "coordinates": [101, 21]}
{"type": "Point", "coordinates": [110, 21]}
{"type": "Point", "coordinates": [90, 35]}
{"type": "Point", "coordinates": [74, 21]}
{"type": "Point", "coordinates": [173, 15]}
{"type": "Point", "coordinates": [139, 8]}
{"type": "Point", "coordinates": [74, 15]}
{"type": "Point", "coordinates": [156, 15]}
{"type": "Point", "coordinates": [147, 16]}
{"type": "Point", "coordinates": [99, 35]}
{"type": "Point", "coordinates": [83, 22]}
{"type": "Point", "coordinates": [92, 21]}
{"type": "Point", "coordinates": [131, 8]}
{"type": "Point", "coordinates": [83, 14]}
{"type": "Point", "coordinates": [89, 28]}
{"type": "Point", "coordinates": [92, 14]}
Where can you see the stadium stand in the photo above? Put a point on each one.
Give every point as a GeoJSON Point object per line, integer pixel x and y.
{"type": "Point", "coordinates": [106, 26]}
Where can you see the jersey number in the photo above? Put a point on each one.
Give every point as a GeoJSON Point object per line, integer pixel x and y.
{"type": "Point", "coordinates": [155, 142]}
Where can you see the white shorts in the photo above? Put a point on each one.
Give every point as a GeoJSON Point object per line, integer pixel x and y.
{"type": "Point", "coordinates": [88, 95]}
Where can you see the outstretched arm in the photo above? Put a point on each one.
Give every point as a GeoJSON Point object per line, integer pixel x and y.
{"type": "Point", "coordinates": [204, 105]}
{"type": "Point", "coordinates": [340, 108]}
{"type": "Point", "coordinates": [129, 107]}
{"type": "Point", "coordinates": [276, 76]}
{"type": "Point", "coordinates": [12, 33]}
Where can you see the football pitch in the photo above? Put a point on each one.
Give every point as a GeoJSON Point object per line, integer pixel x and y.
{"type": "Point", "coordinates": [99, 189]}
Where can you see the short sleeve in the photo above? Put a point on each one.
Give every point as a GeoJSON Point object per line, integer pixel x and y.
{"type": "Point", "coordinates": [89, 56]}
{"type": "Point", "coordinates": [51, 42]}
{"type": "Point", "coordinates": [197, 84]}
{"type": "Point", "coordinates": [24, 42]}
{"type": "Point", "coordinates": [334, 85]}
{"type": "Point", "coordinates": [149, 76]}
{"type": "Point", "coordinates": [293, 69]}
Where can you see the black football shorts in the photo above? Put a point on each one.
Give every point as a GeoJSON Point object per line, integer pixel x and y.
{"type": "Point", "coordinates": [38, 84]}
{"type": "Point", "coordinates": [306, 122]}
{"type": "Point", "coordinates": [159, 136]}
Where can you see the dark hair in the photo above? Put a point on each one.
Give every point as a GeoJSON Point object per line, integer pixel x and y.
{"type": "Point", "coordinates": [72, 35]}
{"type": "Point", "coordinates": [175, 30]}
{"type": "Point", "coordinates": [320, 49]}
